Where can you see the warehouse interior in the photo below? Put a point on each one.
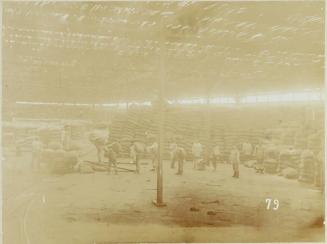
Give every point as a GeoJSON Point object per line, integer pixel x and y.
{"type": "Point", "coordinates": [145, 121]}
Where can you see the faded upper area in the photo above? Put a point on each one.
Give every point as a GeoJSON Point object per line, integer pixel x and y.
{"type": "Point", "coordinates": [110, 51]}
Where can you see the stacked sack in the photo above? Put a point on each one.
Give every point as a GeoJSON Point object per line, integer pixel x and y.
{"type": "Point", "coordinates": [77, 131]}
{"type": "Point", "coordinates": [50, 135]}
{"type": "Point", "coordinates": [300, 140]}
{"type": "Point", "coordinates": [315, 141]}
{"type": "Point", "coordinates": [59, 161]}
{"type": "Point", "coordinates": [288, 136]}
{"type": "Point", "coordinates": [289, 158]}
{"type": "Point", "coordinates": [319, 172]}
{"type": "Point", "coordinates": [307, 166]}
{"type": "Point", "coordinates": [270, 163]}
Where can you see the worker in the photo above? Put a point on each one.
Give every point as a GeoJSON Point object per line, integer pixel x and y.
{"type": "Point", "coordinates": [99, 139]}
{"type": "Point", "coordinates": [173, 148]}
{"type": "Point", "coordinates": [197, 151]}
{"type": "Point", "coordinates": [180, 158]}
{"type": "Point", "coordinates": [112, 150]}
{"type": "Point", "coordinates": [235, 161]}
{"type": "Point", "coordinates": [216, 155]}
{"type": "Point", "coordinates": [135, 152]}
{"type": "Point", "coordinates": [259, 154]}
{"type": "Point", "coordinates": [154, 151]}
{"type": "Point", "coordinates": [36, 153]}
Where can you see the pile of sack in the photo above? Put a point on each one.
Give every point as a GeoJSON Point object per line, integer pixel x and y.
{"type": "Point", "coordinates": [290, 173]}
{"type": "Point", "coordinates": [59, 161]}
{"type": "Point", "coordinates": [270, 163]}
{"type": "Point", "coordinates": [289, 158]}
{"type": "Point", "coordinates": [50, 135]}
{"type": "Point", "coordinates": [307, 166]}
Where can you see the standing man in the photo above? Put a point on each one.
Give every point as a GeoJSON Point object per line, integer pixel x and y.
{"type": "Point", "coordinates": [135, 152]}
{"type": "Point", "coordinates": [259, 154]}
{"type": "Point", "coordinates": [154, 151]}
{"type": "Point", "coordinates": [235, 161]}
{"type": "Point", "coordinates": [99, 137]}
{"type": "Point", "coordinates": [112, 151]}
{"type": "Point", "coordinates": [180, 158]}
{"type": "Point", "coordinates": [215, 157]}
{"type": "Point", "coordinates": [173, 148]}
{"type": "Point", "coordinates": [197, 151]}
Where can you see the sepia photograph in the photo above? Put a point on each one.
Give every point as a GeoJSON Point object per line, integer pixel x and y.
{"type": "Point", "coordinates": [163, 122]}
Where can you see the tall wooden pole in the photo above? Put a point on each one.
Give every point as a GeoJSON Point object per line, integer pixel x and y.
{"type": "Point", "coordinates": [208, 123]}
{"type": "Point", "coordinates": [161, 120]}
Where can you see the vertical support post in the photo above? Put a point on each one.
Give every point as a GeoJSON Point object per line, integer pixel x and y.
{"type": "Point", "coordinates": [208, 124]}
{"type": "Point", "coordinates": [161, 120]}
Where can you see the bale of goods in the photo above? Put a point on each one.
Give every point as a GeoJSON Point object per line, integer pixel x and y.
{"type": "Point", "coordinates": [271, 152]}
{"type": "Point", "coordinates": [250, 163]}
{"type": "Point", "coordinates": [86, 169]}
{"type": "Point", "coordinates": [270, 165]}
{"type": "Point", "coordinates": [289, 159]}
{"type": "Point", "coordinates": [99, 168]}
{"type": "Point", "coordinates": [300, 140]}
{"type": "Point", "coordinates": [54, 145]}
{"type": "Point", "coordinates": [74, 146]}
{"type": "Point", "coordinates": [50, 134]}
{"type": "Point", "coordinates": [287, 137]}
{"type": "Point", "coordinates": [319, 172]}
{"type": "Point", "coordinates": [98, 136]}
{"type": "Point", "coordinates": [290, 173]}
{"type": "Point", "coordinates": [70, 159]}
{"type": "Point", "coordinates": [77, 131]}
{"type": "Point", "coordinates": [59, 161]}
{"type": "Point", "coordinates": [315, 142]}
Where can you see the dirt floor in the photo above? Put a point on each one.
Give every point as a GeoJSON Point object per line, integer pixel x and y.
{"type": "Point", "coordinates": [202, 206]}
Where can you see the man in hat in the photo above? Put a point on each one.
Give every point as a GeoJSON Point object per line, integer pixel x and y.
{"type": "Point", "coordinates": [112, 150]}
{"type": "Point", "coordinates": [180, 158]}
{"type": "Point", "coordinates": [99, 139]}
{"type": "Point", "coordinates": [136, 149]}
{"type": "Point", "coordinates": [215, 156]}
{"type": "Point", "coordinates": [197, 151]}
{"type": "Point", "coordinates": [154, 151]}
{"type": "Point", "coordinates": [235, 161]}
{"type": "Point", "coordinates": [259, 154]}
{"type": "Point", "coordinates": [173, 148]}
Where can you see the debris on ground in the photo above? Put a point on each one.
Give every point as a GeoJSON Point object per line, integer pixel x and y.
{"type": "Point", "coordinates": [209, 202]}
{"type": "Point", "coordinates": [211, 213]}
{"type": "Point", "coordinates": [193, 209]}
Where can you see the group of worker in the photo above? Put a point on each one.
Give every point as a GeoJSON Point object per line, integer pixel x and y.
{"type": "Point", "coordinates": [238, 153]}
